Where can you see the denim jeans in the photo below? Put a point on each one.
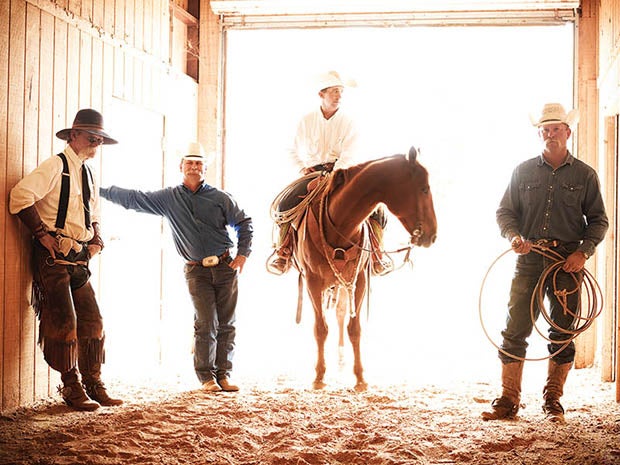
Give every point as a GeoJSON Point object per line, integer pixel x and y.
{"type": "Point", "coordinates": [214, 295]}
{"type": "Point", "coordinates": [519, 321]}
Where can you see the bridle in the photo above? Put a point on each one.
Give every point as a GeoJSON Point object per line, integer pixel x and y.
{"type": "Point", "coordinates": [414, 237]}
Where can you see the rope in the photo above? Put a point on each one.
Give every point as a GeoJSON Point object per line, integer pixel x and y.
{"type": "Point", "coordinates": [584, 282]}
{"type": "Point", "coordinates": [292, 214]}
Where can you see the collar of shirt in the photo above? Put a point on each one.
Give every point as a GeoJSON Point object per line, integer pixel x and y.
{"type": "Point", "coordinates": [569, 159]}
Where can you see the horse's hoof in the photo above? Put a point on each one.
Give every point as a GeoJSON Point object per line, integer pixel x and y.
{"type": "Point", "coordinates": [361, 387]}
{"type": "Point", "coordinates": [318, 385]}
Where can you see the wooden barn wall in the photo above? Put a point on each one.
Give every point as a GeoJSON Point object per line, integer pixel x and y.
{"type": "Point", "coordinates": [609, 111]}
{"type": "Point", "coordinates": [57, 56]}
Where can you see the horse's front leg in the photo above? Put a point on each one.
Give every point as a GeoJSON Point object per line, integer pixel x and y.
{"type": "Point", "coordinates": [355, 335]}
{"type": "Point", "coordinates": [320, 335]}
{"type": "Point", "coordinates": [355, 332]}
{"type": "Point", "coordinates": [341, 314]}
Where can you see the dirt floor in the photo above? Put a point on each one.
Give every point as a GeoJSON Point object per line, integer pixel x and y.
{"type": "Point", "coordinates": [281, 421]}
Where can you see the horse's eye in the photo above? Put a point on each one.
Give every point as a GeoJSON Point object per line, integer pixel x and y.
{"type": "Point", "coordinates": [425, 190]}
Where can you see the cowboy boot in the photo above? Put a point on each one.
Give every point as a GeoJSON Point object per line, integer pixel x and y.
{"type": "Point", "coordinates": [279, 262]}
{"type": "Point", "coordinates": [507, 406]}
{"type": "Point", "coordinates": [553, 390]}
{"type": "Point", "coordinates": [90, 357]}
{"type": "Point", "coordinates": [73, 393]}
{"type": "Point", "coordinates": [380, 265]}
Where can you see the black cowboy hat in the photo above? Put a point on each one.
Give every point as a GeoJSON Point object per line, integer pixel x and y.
{"type": "Point", "coordinates": [87, 120]}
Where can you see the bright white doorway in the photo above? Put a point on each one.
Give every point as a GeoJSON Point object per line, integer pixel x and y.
{"type": "Point", "coordinates": [461, 94]}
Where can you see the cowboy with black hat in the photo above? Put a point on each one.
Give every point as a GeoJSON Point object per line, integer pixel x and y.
{"type": "Point", "coordinates": [59, 203]}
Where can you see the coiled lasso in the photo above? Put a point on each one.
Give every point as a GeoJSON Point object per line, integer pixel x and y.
{"type": "Point", "coordinates": [584, 284]}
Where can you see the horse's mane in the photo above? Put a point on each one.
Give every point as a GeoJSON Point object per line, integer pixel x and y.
{"type": "Point", "coordinates": [343, 175]}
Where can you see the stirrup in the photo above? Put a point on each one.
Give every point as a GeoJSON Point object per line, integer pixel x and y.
{"type": "Point", "coordinates": [278, 265]}
{"type": "Point", "coordinates": [381, 267]}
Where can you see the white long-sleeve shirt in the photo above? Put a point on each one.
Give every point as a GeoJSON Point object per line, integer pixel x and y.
{"type": "Point", "coordinates": [41, 188]}
{"type": "Point", "coordinates": [319, 140]}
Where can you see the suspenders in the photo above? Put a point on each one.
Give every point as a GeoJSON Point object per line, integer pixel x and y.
{"type": "Point", "coordinates": [63, 202]}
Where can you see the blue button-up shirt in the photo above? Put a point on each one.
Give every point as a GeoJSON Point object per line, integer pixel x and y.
{"type": "Point", "coordinates": [562, 204]}
{"type": "Point", "coordinates": [198, 220]}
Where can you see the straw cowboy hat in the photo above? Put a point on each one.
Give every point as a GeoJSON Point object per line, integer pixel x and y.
{"type": "Point", "coordinates": [194, 151]}
{"type": "Point", "coordinates": [333, 79]}
{"type": "Point", "coordinates": [87, 120]}
{"type": "Point", "coordinates": [553, 113]}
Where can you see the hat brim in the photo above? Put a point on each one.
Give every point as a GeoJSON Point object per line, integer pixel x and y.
{"type": "Point", "coordinates": [107, 140]}
{"type": "Point", "coordinates": [572, 118]}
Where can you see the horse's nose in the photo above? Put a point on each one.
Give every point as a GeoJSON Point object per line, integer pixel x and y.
{"type": "Point", "coordinates": [433, 238]}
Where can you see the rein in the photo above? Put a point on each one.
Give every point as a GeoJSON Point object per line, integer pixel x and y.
{"type": "Point", "coordinates": [416, 234]}
{"type": "Point", "coordinates": [349, 285]}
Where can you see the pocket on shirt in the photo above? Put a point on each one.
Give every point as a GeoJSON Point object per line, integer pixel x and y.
{"type": "Point", "coordinates": [530, 191]}
{"type": "Point", "coordinates": [572, 194]}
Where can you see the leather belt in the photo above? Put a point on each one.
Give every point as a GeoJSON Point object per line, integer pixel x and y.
{"type": "Point", "coordinates": [208, 262]}
{"type": "Point", "coordinates": [547, 242]}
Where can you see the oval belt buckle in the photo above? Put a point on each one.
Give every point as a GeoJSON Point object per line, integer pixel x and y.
{"type": "Point", "coordinates": [210, 261]}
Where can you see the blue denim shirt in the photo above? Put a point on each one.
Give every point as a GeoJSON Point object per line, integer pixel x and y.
{"type": "Point", "coordinates": [564, 204]}
{"type": "Point", "coordinates": [198, 220]}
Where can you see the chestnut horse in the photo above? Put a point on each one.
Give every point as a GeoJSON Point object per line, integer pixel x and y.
{"type": "Point", "coordinates": [332, 248]}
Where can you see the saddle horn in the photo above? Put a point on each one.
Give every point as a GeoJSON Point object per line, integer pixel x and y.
{"type": "Point", "coordinates": [413, 154]}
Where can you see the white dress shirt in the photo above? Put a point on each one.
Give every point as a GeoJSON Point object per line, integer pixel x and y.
{"type": "Point", "coordinates": [41, 188]}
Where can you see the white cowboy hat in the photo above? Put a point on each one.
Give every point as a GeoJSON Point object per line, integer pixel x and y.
{"type": "Point", "coordinates": [553, 113]}
{"type": "Point", "coordinates": [333, 79]}
{"type": "Point", "coordinates": [194, 151]}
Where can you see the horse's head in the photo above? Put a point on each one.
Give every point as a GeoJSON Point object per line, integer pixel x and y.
{"type": "Point", "coordinates": [413, 204]}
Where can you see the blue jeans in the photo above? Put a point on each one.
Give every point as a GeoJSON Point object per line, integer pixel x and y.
{"type": "Point", "coordinates": [214, 294]}
{"type": "Point", "coordinates": [519, 324]}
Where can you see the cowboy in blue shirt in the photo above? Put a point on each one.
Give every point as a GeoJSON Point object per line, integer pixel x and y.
{"type": "Point", "coordinates": [199, 215]}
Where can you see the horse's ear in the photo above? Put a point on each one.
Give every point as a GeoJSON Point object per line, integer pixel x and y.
{"type": "Point", "coordinates": [413, 154]}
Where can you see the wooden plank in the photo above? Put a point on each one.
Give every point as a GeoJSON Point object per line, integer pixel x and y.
{"type": "Point", "coordinates": [45, 148]}
{"type": "Point", "coordinates": [73, 74]}
{"type": "Point", "coordinates": [59, 105]}
{"type": "Point", "coordinates": [130, 33]}
{"type": "Point", "coordinates": [4, 214]}
{"type": "Point", "coordinates": [96, 75]}
{"type": "Point", "coordinates": [156, 32]}
{"type": "Point", "coordinates": [137, 82]}
{"type": "Point", "coordinates": [128, 82]}
{"type": "Point", "coordinates": [14, 172]}
{"type": "Point", "coordinates": [164, 31]}
{"type": "Point", "coordinates": [63, 4]}
{"type": "Point", "coordinates": [98, 15]}
{"type": "Point", "coordinates": [107, 84]}
{"type": "Point", "coordinates": [85, 65]}
{"type": "Point", "coordinates": [610, 244]}
{"type": "Point", "coordinates": [31, 120]}
{"type": "Point", "coordinates": [46, 66]}
{"type": "Point", "coordinates": [138, 21]}
{"type": "Point", "coordinates": [86, 10]}
{"type": "Point", "coordinates": [147, 86]}
{"type": "Point", "coordinates": [118, 89]}
{"type": "Point", "coordinates": [119, 19]}
{"type": "Point", "coordinates": [147, 34]}
{"type": "Point", "coordinates": [75, 7]}
{"type": "Point", "coordinates": [109, 13]}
